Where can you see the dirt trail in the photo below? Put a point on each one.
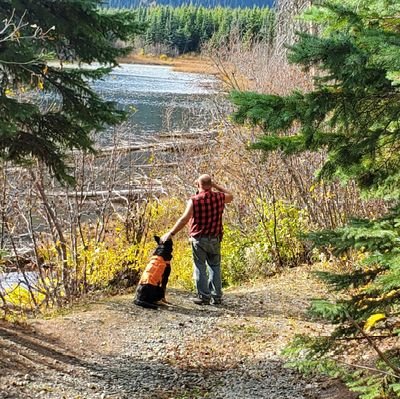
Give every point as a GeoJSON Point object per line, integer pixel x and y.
{"type": "Point", "coordinates": [113, 349]}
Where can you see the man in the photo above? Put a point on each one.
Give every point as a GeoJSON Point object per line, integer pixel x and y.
{"type": "Point", "coordinates": [204, 214]}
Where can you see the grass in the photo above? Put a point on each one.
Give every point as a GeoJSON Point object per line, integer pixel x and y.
{"type": "Point", "coordinates": [185, 63]}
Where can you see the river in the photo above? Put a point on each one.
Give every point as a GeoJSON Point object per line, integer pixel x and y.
{"type": "Point", "coordinates": [158, 99]}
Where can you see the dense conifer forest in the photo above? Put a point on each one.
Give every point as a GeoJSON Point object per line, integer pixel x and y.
{"type": "Point", "coordinates": [177, 3]}
{"type": "Point", "coordinates": [187, 28]}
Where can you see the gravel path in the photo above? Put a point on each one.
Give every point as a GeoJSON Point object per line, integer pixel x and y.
{"type": "Point", "coordinates": [113, 349]}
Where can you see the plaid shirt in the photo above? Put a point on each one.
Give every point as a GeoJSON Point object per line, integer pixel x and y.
{"type": "Point", "coordinates": [208, 207]}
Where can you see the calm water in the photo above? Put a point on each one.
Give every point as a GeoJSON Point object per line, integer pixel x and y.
{"type": "Point", "coordinates": [10, 280]}
{"type": "Point", "coordinates": [158, 99]}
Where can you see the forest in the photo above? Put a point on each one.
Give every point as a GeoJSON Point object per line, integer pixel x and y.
{"type": "Point", "coordinates": [304, 130]}
{"type": "Point", "coordinates": [186, 29]}
{"type": "Point", "coordinates": [179, 3]}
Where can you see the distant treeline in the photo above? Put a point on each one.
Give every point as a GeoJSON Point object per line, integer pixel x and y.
{"type": "Point", "coordinates": [187, 28]}
{"type": "Point", "coordinates": [178, 3]}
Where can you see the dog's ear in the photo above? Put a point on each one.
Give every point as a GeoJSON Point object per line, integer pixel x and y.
{"type": "Point", "coordinates": [157, 238]}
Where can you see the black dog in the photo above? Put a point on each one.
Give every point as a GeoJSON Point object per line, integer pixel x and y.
{"type": "Point", "coordinates": [154, 280]}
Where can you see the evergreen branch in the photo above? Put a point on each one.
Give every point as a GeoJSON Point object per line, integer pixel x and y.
{"type": "Point", "coordinates": [358, 338]}
{"type": "Point", "coordinates": [84, 34]}
{"type": "Point", "coordinates": [356, 279]}
{"type": "Point", "coordinates": [34, 61]}
{"type": "Point", "coordinates": [288, 145]}
{"type": "Point", "coordinates": [381, 355]}
{"type": "Point", "coordinates": [359, 366]}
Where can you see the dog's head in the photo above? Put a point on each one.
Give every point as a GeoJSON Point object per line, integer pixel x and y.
{"type": "Point", "coordinates": [163, 249]}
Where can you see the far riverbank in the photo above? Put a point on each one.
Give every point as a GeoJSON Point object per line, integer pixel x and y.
{"type": "Point", "coordinates": [186, 63]}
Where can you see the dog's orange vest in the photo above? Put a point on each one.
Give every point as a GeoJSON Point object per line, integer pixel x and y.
{"type": "Point", "coordinates": [154, 271]}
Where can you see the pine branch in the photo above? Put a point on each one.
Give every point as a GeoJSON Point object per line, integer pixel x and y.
{"type": "Point", "coordinates": [358, 338]}
{"type": "Point", "coordinates": [359, 366]}
{"type": "Point", "coordinates": [381, 355]}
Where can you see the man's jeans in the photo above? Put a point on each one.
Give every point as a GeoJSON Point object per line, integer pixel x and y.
{"type": "Point", "coordinates": [207, 257]}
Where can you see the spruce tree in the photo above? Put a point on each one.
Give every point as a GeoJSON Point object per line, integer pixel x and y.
{"type": "Point", "coordinates": [353, 113]}
{"type": "Point", "coordinates": [33, 34]}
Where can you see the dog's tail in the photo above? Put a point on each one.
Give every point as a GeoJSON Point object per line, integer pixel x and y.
{"type": "Point", "coordinates": [144, 304]}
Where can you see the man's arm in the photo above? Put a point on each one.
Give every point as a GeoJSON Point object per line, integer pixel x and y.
{"type": "Point", "coordinates": [228, 194]}
{"type": "Point", "coordinates": [181, 222]}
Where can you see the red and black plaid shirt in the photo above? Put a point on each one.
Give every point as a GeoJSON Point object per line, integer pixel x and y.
{"type": "Point", "coordinates": [208, 207]}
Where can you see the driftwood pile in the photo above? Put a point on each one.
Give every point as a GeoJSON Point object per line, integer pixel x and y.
{"type": "Point", "coordinates": [165, 142]}
{"type": "Point", "coordinates": [173, 142]}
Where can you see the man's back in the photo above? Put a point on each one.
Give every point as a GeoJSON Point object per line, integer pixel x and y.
{"type": "Point", "coordinates": [206, 220]}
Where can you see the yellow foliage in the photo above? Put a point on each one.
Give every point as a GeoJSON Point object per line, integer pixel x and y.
{"type": "Point", "coordinates": [372, 320]}
{"type": "Point", "coordinates": [98, 263]}
{"type": "Point", "coordinates": [20, 296]}
{"type": "Point", "coordinates": [163, 214]}
{"type": "Point", "coordinates": [102, 261]}
{"type": "Point", "coordinates": [182, 265]}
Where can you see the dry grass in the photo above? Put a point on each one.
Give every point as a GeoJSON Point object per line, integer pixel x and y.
{"type": "Point", "coordinates": [187, 63]}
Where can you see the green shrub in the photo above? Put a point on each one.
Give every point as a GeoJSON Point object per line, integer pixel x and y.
{"type": "Point", "coordinates": [264, 244]}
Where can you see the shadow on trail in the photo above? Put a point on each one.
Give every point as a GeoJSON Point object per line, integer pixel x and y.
{"type": "Point", "coordinates": [179, 303]}
{"type": "Point", "coordinates": [248, 303]}
{"type": "Point", "coordinates": [22, 348]}
{"type": "Point", "coordinates": [26, 355]}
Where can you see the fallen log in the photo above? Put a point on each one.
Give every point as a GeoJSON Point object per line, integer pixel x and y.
{"type": "Point", "coordinates": [116, 194]}
{"type": "Point", "coordinates": [194, 135]}
{"type": "Point", "coordinates": [157, 165]}
{"type": "Point", "coordinates": [171, 146]}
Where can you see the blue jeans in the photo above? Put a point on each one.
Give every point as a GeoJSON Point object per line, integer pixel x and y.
{"type": "Point", "coordinates": [207, 258]}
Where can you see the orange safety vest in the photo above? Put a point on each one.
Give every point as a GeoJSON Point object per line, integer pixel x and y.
{"type": "Point", "coordinates": [154, 271]}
